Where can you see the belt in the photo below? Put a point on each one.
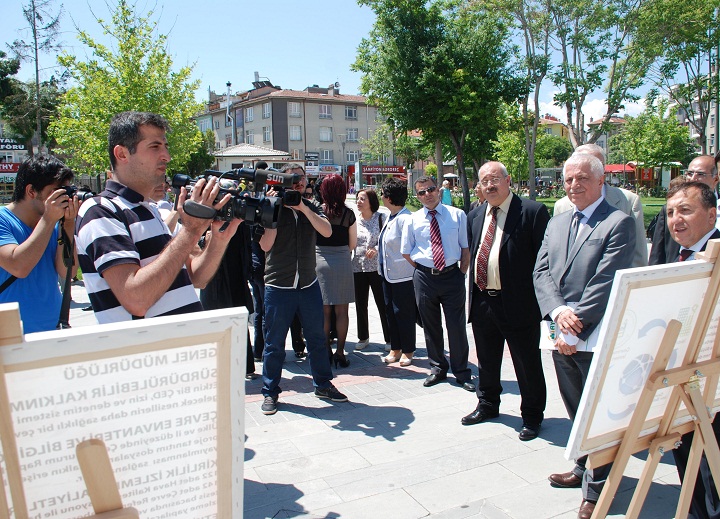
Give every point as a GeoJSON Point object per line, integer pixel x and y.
{"type": "Point", "coordinates": [433, 271]}
{"type": "Point", "coordinates": [491, 293]}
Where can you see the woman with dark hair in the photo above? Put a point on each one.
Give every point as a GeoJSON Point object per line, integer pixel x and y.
{"type": "Point", "coordinates": [334, 268]}
{"type": "Point", "coordinates": [365, 265]}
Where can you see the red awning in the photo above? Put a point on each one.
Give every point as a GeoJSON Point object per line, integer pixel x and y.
{"type": "Point", "coordinates": [618, 168]}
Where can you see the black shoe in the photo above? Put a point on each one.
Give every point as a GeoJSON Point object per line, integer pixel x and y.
{"type": "Point", "coordinates": [529, 432]}
{"type": "Point", "coordinates": [330, 393]}
{"type": "Point", "coordinates": [340, 360]}
{"type": "Point", "coordinates": [478, 415]}
{"type": "Point", "coordinates": [269, 405]}
{"type": "Point", "coordinates": [433, 379]}
{"type": "Point", "coordinates": [467, 385]}
{"type": "Point", "coordinates": [252, 376]}
{"type": "Point", "coordinates": [257, 359]}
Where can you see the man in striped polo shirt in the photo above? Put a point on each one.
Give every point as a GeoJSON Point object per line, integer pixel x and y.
{"type": "Point", "coordinates": [132, 266]}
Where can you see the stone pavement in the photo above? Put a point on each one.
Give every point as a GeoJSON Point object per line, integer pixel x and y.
{"type": "Point", "coordinates": [397, 450]}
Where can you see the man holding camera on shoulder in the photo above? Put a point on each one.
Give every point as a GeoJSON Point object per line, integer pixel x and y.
{"type": "Point", "coordinates": [132, 266]}
{"type": "Point", "coordinates": [31, 257]}
{"type": "Point", "coordinates": [291, 286]}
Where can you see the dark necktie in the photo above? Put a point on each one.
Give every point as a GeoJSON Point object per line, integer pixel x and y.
{"type": "Point", "coordinates": [436, 242]}
{"type": "Point", "coordinates": [685, 254]}
{"type": "Point", "coordinates": [484, 254]}
{"type": "Point", "coordinates": [574, 229]}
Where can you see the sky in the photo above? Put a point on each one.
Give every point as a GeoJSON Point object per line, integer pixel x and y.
{"type": "Point", "coordinates": [292, 43]}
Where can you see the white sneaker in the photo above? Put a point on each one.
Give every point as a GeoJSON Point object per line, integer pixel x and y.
{"type": "Point", "coordinates": [361, 345]}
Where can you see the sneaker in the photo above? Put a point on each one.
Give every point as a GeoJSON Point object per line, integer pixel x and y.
{"type": "Point", "coordinates": [269, 405]}
{"type": "Point", "coordinates": [330, 393]}
{"type": "Point", "coordinates": [361, 345]}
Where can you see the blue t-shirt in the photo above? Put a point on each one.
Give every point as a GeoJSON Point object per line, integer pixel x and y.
{"type": "Point", "coordinates": [38, 294]}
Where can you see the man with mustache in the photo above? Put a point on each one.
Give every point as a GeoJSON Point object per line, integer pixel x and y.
{"type": "Point", "coordinates": [132, 266]}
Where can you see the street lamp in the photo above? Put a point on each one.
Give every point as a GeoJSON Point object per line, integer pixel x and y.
{"type": "Point", "coordinates": [343, 139]}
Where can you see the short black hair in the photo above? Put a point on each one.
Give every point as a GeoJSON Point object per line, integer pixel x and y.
{"type": "Point", "coordinates": [425, 178]}
{"type": "Point", "coordinates": [707, 197]}
{"type": "Point", "coordinates": [40, 171]}
{"type": "Point", "coordinates": [395, 191]}
{"type": "Point", "coordinates": [125, 130]}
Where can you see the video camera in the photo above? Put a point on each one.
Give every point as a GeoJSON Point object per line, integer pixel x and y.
{"type": "Point", "coordinates": [82, 193]}
{"type": "Point", "coordinates": [255, 207]}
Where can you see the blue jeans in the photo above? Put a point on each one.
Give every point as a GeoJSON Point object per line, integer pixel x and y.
{"type": "Point", "coordinates": [281, 304]}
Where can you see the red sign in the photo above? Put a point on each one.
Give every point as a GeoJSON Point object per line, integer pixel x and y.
{"type": "Point", "coordinates": [9, 167]}
{"type": "Point", "coordinates": [383, 170]}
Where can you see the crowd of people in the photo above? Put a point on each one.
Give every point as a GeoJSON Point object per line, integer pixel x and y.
{"type": "Point", "coordinates": [514, 264]}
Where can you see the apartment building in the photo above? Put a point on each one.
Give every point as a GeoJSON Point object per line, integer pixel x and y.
{"type": "Point", "coordinates": [317, 126]}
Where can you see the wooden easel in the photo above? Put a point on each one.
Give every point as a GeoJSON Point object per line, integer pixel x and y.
{"type": "Point", "coordinates": [92, 454]}
{"type": "Point", "coordinates": [685, 383]}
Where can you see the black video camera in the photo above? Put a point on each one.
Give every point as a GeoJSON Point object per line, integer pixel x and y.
{"type": "Point", "coordinates": [255, 207]}
{"type": "Point", "coordinates": [82, 193]}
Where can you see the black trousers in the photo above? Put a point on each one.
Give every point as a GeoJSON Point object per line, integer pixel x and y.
{"type": "Point", "coordinates": [491, 328]}
{"type": "Point", "coordinates": [446, 290]}
{"type": "Point", "coordinates": [364, 282]}
{"type": "Point", "coordinates": [401, 312]}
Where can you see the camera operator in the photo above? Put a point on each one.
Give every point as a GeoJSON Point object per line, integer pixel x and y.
{"type": "Point", "coordinates": [291, 286]}
{"type": "Point", "coordinates": [30, 256]}
{"type": "Point", "coordinates": [132, 266]}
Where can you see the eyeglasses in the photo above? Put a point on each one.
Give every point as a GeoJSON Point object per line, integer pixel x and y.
{"type": "Point", "coordinates": [423, 192]}
{"type": "Point", "coordinates": [491, 181]}
{"type": "Point", "coordinates": [697, 174]}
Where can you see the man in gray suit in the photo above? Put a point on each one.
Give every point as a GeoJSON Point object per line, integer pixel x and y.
{"type": "Point", "coordinates": [627, 201]}
{"type": "Point", "coordinates": [573, 275]}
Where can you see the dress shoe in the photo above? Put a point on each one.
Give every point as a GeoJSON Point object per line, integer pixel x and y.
{"type": "Point", "coordinates": [566, 480]}
{"type": "Point", "coordinates": [467, 385]}
{"type": "Point", "coordinates": [478, 415]}
{"type": "Point", "coordinates": [433, 379]}
{"type": "Point", "coordinates": [529, 432]}
{"type": "Point", "coordinates": [586, 509]}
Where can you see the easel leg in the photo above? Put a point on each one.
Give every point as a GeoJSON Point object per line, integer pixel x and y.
{"type": "Point", "coordinates": [655, 453]}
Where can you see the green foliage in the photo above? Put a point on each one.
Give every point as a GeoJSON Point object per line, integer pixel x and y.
{"type": "Point", "coordinates": [431, 170]}
{"type": "Point", "coordinates": [376, 149]}
{"type": "Point", "coordinates": [202, 158]}
{"type": "Point", "coordinates": [8, 67]}
{"type": "Point", "coordinates": [552, 151]}
{"type": "Point", "coordinates": [510, 150]}
{"type": "Point", "coordinates": [139, 76]}
{"type": "Point", "coordinates": [653, 138]}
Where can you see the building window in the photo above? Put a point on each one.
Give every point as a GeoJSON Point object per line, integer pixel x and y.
{"type": "Point", "coordinates": [351, 113]}
{"type": "Point", "coordinates": [205, 125]}
{"type": "Point", "coordinates": [294, 109]}
{"type": "Point", "coordinates": [351, 157]}
{"type": "Point", "coordinates": [326, 157]}
{"type": "Point", "coordinates": [217, 125]}
{"type": "Point", "coordinates": [295, 154]}
{"type": "Point", "coordinates": [326, 134]}
{"type": "Point", "coordinates": [296, 133]}
{"type": "Point", "coordinates": [217, 145]}
{"type": "Point", "coordinates": [352, 134]}
{"type": "Point", "coordinates": [712, 119]}
{"type": "Point", "coordinates": [548, 131]}
{"type": "Point", "coordinates": [249, 136]}
{"type": "Point", "coordinates": [266, 134]}
{"type": "Point", "coordinates": [712, 140]}
{"type": "Point", "coordinates": [249, 114]}
{"type": "Point", "coordinates": [228, 139]}
{"type": "Point", "coordinates": [325, 111]}
{"type": "Point", "coordinates": [266, 111]}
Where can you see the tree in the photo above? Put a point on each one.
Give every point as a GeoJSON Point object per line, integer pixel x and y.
{"type": "Point", "coordinates": [202, 158]}
{"type": "Point", "coordinates": [377, 148]}
{"type": "Point", "coordinates": [438, 67]}
{"type": "Point", "coordinates": [138, 75]}
{"type": "Point", "coordinates": [653, 138]}
{"type": "Point", "coordinates": [44, 28]}
{"type": "Point", "coordinates": [552, 151]}
{"type": "Point", "coordinates": [8, 68]}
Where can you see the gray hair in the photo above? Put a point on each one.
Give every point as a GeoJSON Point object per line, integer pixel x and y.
{"type": "Point", "coordinates": [592, 149]}
{"type": "Point", "coordinates": [502, 167]}
{"type": "Point", "coordinates": [585, 159]}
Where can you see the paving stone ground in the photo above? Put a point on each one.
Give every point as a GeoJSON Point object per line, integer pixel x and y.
{"type": "Point", "coordinates": [397, 450]}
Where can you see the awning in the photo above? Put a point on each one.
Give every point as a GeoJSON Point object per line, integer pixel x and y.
{"type": "Point", "coordinates": [618, 168]}
{"type": "Point", "coordinates": [450, 175]}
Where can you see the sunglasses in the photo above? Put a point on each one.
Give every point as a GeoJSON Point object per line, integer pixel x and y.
{"type": "Point", "coordinates": [423, 192]}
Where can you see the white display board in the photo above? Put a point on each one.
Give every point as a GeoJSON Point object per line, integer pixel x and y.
{"type": "Point", "coordinates": [165, 395]}
{"type": "Point", "coordinates": [642, 302]}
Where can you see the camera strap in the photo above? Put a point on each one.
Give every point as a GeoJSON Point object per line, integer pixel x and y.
{"type": "Point", "coordinates": [68, 260]}
{"type": "Point", "coordinates": [9, 281]}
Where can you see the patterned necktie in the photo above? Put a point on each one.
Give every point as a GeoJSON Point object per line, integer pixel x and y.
{"type": "Point", "coordinates": [574, 229]}
{"type": "Point", "coordinates": [484, 254]}
{"type": "Point", "coordinates": [436, 242]}
{"type": "Point", "coordinates": [685, 254]}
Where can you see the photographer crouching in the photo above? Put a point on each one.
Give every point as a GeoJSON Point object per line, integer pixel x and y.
{"type": "Point", "coordinates": [31, 251]}
{"type": "Point", "coordinates": [132, 266]}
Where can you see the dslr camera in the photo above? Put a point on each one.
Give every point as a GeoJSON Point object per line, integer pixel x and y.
{"type": "Point", "coordinates": [82, 193]}
{"type": "Point", "coordinates": [255, 207]}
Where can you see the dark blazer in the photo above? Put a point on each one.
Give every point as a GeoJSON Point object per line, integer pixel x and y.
{"type": "Point", "coordinates": [585, 273]}
{"type": "Point", "coordinates": [674, 258]}
{"type": "Point", "coordinates": [664, 248]}
{"type": "Point", "coordinates": [522, 237]}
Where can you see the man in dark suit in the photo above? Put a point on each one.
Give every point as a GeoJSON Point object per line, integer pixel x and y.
{"type": "Point", "coordinates": [580, 254]}
{"type": "Point", "coordinates": [691, 217]}
{"type": "Point", "coordinates": [506, 232]}
{"type": "Point", "coordinates": [664, 248]}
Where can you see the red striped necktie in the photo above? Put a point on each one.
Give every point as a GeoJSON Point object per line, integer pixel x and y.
{"type": "Point", "coordinates": [484, 255]}
{"type": "Point", "coordinates": [436, 242]}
